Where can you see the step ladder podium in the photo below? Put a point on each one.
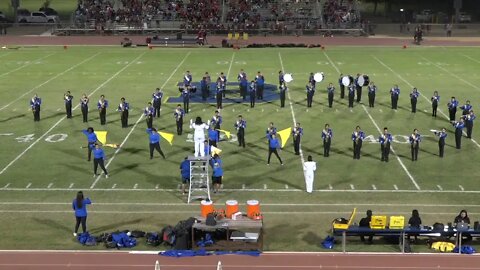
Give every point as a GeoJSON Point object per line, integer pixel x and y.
{"type": "Point", "coordinates": [199, 178]}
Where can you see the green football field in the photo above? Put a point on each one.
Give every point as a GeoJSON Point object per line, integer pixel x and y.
{"type": "Point", "coordinates": [42, 164]}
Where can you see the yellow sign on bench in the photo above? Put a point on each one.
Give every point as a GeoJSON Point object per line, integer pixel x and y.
{"type": "Point", "coordinates": [343, 226]}
{"type": "Point", "coordinates": [378, 222]}
{"type": "Point", "coordinates": [397, 222]}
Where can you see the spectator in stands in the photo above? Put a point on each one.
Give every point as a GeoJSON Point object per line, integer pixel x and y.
{"type": "Point", "coordinates": [415, 223]}
{"type": "Point", "coordinates": [365, 222]}
{"type": "Point", "coordinates": [79, 205]}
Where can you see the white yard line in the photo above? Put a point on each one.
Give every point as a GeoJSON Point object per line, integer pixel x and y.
{"type": "Point", "coordinates": [26, 65]}
{"type": "Point", "coordinates": [409, 84]}
{"type": "Point", "coordinates": [136, 123]}
{"type": "Point", "coordinates": [49, 80]}
{"type": "Point", "coordinates": [473, 59]}
{"type": "Point", "coordinates": [64, 117]}
{"type": "Point", "coordinates": [293, 113]}
{"type": "Point", "coordinates": [230, 67]}
{"type": "Point", "coordinates": [379, 130]}
{"type": "Point", "coordinates": [452, 74]}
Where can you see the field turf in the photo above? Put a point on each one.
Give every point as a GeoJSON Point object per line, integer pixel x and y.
{"type": "Point", "coordinates": [42, 165]}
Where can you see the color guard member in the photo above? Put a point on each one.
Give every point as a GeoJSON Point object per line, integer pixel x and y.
{"type": "Point", "coordinates": [357, 137]}
{"type": "Point", "coordinates": [394, 94]}
{"type": "Point", "coordinates": [327, 135]}
{"type": "Point", "coordinates": [273, 145]}
{"type": "Point", "coordinates": [157, 102]}
{"type": "Point", "coordinates": [297, 133]}
{"type": "Point", "coordinates": [35, 103]}
{"type": "Point", "coordinates": [68, 103]}
{"type": "Point", "coordinates": [84, 106]}
{"type": "Point", "coordinates": [123, 108]}
{"type": "Point", "coordinates": [372, 91]}
{"type": "Point", "coordinates": [178, 114]}
{"type": "Point", "coordinates": [330, 93]}
{"type": "Point", "coordinates": [385, 140]}
{"type": "Point", "coordinates": [435, 100]}
{"type": "Point", "coordinates": [102, 106]}
{"type": "Point", "coordinates": [414, 140]}
{"type": "Point", "coordinates": [154, 139]}
{"type": "Point", "coordinates": [452, 108]}
{"type": "Point", "coordinates": [149, 113]}
{"type": "Point", "coordinates": [99, 159]}
{"type": "Point", "coordinates": [91, 139]}
{"type": "Point", "coordinates": [271, 130]}
{"type": "Point", "coordinates": [240, 125]}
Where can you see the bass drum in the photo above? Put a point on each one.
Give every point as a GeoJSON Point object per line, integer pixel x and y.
{"type": "Point", "coordinates": [346, 80]}
{"type": "Point", "coordinates": [363, 80]}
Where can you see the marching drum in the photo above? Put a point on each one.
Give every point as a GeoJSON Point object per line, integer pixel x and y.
{"type": "Point", "coordinates": [363, 80]}
{"type": "Point", "coordinates": [206, 207]}
{"type": "Point", "coordinates": [288, 77]}
{"type": "Point", "coordinates": [318, 77]}
{"type": "Point", "coordinates": [346, 80]}
{"type": "Point", "coordinates": [232, 208]}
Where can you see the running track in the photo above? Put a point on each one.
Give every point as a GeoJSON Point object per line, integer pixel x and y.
{"type": "Point", "coordinates": [76, 260]}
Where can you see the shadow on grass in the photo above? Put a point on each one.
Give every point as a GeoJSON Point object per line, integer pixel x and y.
{"type": "Point", "coordinates": [312, 239]}
{"type": "Point", "coordinates": [55, 225]}
{"type": "Point", "coordinates": [117, 225]}
{"type": "Point", "coordinates": [12, 117]}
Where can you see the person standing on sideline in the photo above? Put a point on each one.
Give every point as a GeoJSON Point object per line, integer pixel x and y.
{"type": "Point", "coordinates": [260, 81]}
{"type": "Point", "coordinates": [466, 108]}
{"type": "Point", "coordinates": [68, 103]}
{"type": "Point", "coordinates": [154, 138]}
{"type": "Point", "coordinates": [123, 108]}
{"type": "Point", "coordinates": [327, 135]}
{"type": "Point", "coordinates": [92, 140]}
{"type": "Point", "coordinates": [297, 133]}
{"type": "Point", "coordinates": [310, 92]}
{"type": "Point", "coordinates": [469, 123]}
{"type": "Point", "coordinates": [342, 87]}
{"type": "Point", "coordinates": [358, 88]}
{"type": "Point", "coordinates": [309, 169]}
{"type": "Point", "coordinates": [79, 205]}
{"type": "Point", "coordinates": [458, 132]}
{"type": "Point", "coordinates": [385, 140]}
{"type": "Point", "coordinates": [157, 102]}
{"type": "Point", "coordinates": [240, 126]}
{"type": "Point", "coordinates": [217, 174]}
{"type": "Point", "coordinates": [186, 98]}
{"type": "Point", "coordinates": [99, 159]}
{"type": "Point", "coordinates": [442, 135]}
{"type": "Point", "coordinates": [394, 94]}
{"type": "Point", "coordinates": [357, 137]}
{"type": "Point", "coordinates": [414, 140]}
{"type": "Point", "coordinates": [35, 103]}
{"type": "Point", "coordinates": [372, 91]}
{"type": "Point", "coordinates": [149, 113]}
{"type": "Point", "coordinates": [351, 94]}
{"type": "Point", "coordinates": [252, 90]}
{"type": "Point", "coordinates": [452, 108]}
{"type": "Point", "coordinates": [199, 135]}
{"type": "Point", "coordinates": [185, 173]}
{"type": "Point", "coordinates": [273, 144]}
{"type": "Point", "coordinates": [413, 99]}
{"type": "Point", "coordinates": [102, 106]}
{"type": "Point", "coordinates": [213, 137]}
{"type": "Point", "coordinates": [84, 106]}
{"type": "Point", "coordinates": [283, 90]}
{"type": "Point", "coordinates": [330, 93]}
{"type": "Point", "coordinates": [178, 114]}
{"type": "Point", "coordinates": [435, 100]}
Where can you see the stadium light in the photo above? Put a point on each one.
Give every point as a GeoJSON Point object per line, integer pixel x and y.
{"type": "Point", "coordinates": [401, 10]}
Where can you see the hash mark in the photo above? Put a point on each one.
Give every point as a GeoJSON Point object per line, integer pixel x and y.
{"type": "Point", "coordinates": [29, 185]}
{"type": "Point", "coordinates": [395, 187]}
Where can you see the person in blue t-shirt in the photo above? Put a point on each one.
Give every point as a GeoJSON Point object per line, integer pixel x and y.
{"type": "Point", "coordinates": [217, 175]}
{"type": "Point", "coordinates": [273, 144]}
{"type": "Point", "coordinates": [79, 205]}
{"type": "Point", "coordinates": [185, 172]}
{"type": "Point", "coordinates": [92, 140]}
{"type": "Point", "coordinates": [99, 159]}
{"type": "Point", "coordinates": [154, 139]}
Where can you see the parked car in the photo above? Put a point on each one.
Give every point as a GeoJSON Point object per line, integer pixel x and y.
{"type": "Point", "coordinates": [464, 17]}
{"type": "Point", "coordinates": [37, 17]}
{"type": "Point", "coordinates": [424, 17]}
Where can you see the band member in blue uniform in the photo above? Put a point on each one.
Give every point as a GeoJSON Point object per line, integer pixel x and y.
{"type": "Point", "coordinates": [452, 108]}
{"type": "Point", "coordinates": [243, 84]}
{"type": "Point", "coordinates": [213, 136]}
{"type": "Point", "coordinates": [342, 87]}
{"type": "Point", "coordinates": [271, 130]}
{"type": "Point", "coordinates": [204, 88]}
{"type": "Point", "coordinates": [413, 99]}
{"type": "Point", "coordinates": [469, 123]}
{"type": "Point", "coordinates": [358, 88]}
{"type": "Point", "coordinates": [216, 122]}
{"type": "Point", "coordinates": [99, 159]}
{"type": "Point", "coordinates": [68, 103]}
{"type": "Point", "coordinates": [186, 98]}
{"type": "Point", "coordinates": [223, 82]}
{"type": "Point", "coordinates": [208, 80]}
{"type": "Point", "coordinates": [310, 92]}
{"type": "Point", "coordinates": [102, 106]}
{"type": "Point", "coordinates": [466, 108]}
{"type": "Point", "coordinates": [458, 132]}
{"type": "Point", "coordinates": [297, 133]}
{"type": "Point", "coordinates": [357, 137]}
{"type": "Point", "coordinates": [185, 172]}
{"type": "Point", "coordinates": [327, 135]}
{"type": "Point", "coordinates": [154, 139]}
{"type": "Point", "coordinates": [35, 104]}
{"type": "Point", "coordinates": [149, 113]}
{"type": "Point", "coordinates": [91, 139]}
{"type": "Point", "coordinates": [435, 99]}
{"type": "Point", "coordinates": [178, 114]}
{"type": "Point", "coordinates": [442, 135]}
{"type": "Point", "coordinates": [123, 108]}
{"type": "Point", "coordinates": [240, 125]}
{"type": "Point", "coordinates": [283, 92]}
{"type": "Point", "coordinates": [260, 80]}
{"type": "Point", "coordinates": [252, 90]}
{"type": "Point", "coordinates": [330, 94]}
{"type": "Point", "coordinates": [219, 93]}
{"type": "Point", "coordinates": [372, 92]}
{"type": "Point", "coordinates": [157, 102]}
{"type": "Point", "coordinates": [415, 140]}
{"type": "Point", "coordinates": [84, 107]}
{"type": "Point", "coordinates": [281, 79]}
{"type": "Point", "coordinates": [311, 80]}
{"type": "Point", "coordinates": [273, 145]}
{"type": "Point", "coordinates": [385, 140]}
{"type": "Point", "coordinates": [394, 94]}
{"type": "Point", "coordinates": [217, 174]}
{"type": "Point", "coordinates": [187, 79]}
{"type": "Point", "coordinates": [351, 94]}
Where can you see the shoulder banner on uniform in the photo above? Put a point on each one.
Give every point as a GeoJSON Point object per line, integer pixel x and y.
{"type": "Point", "coordinates": [227, 133]}
{"type": "Point", "coordinates": [167, 136]}
{"type": "Point", "coordinates": [284, 135]}
{"type": "Point", "coordinates": [101, 136]}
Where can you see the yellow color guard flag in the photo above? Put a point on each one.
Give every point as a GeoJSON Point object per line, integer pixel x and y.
{"type": "Point", "coordinates": [227, 133]}
{"type": "Point", "coordinates": [167, 136]}
{"type": "Point", "coordinates": [101, 136]}
{"type": "Point", "coordinates": [284, 135]}
{"type": "Point", "coordinates": [214, 150]}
